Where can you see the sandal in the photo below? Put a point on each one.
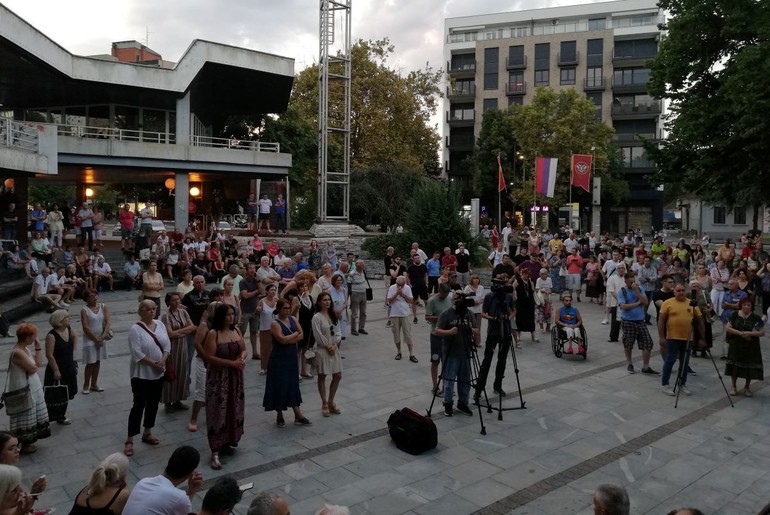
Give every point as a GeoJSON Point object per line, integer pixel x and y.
{"type": "Point", "coordinates": [733, 391]}
{"type": "Point", "coordinates": [334, 409]}
{"type": "Point", "coordinates": [150, 439]}
{"type": "Point", "coordinates": [748, 393]}
{"type": "Point", "coordinates": [280, 422]}
{"type": "Point", "coordinates": [215, 464]}
{"type": "Point", "coordinates": [325, 410]}
{"type": "Point", "coordinates": [128, 449]}
{"type": "Point", "coordinates": [302, 421]}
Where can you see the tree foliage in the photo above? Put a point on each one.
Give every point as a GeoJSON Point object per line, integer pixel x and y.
{"type": "Point", "coordinates": [714, 69]}
{"type": "Point", "coordinates": [434, 218]}
{"type": "Point", "coordinates": [495, 138]}
{"type": "Point", "coordinates": [381, 194]}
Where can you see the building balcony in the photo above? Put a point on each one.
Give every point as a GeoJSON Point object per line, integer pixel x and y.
{"type": "Point", "coordinates": [628, 87]}
{"type": "Point", "coordinates": [465, 94]}
{"type": "Point", "coordinates": [595, 84]}
{"type": "Point", "coordinates": [466, 119]}
{"type": "Point", "coordinates": [633, 112]}
{"type": "Point", "coordinates": [517, 89]}
{"type": "Point", "coordinates": [628, 61]}
{"type": "Point", "coordinates": [639, 138]}
{"type": "Point", "coordinates": [570, 59]}
{"type": "Point", "coordinates": [460, 142]}
{"type": "Point", "coordinates": [516, 64]}
{"type": "Point", "coordinates": [462, 70]}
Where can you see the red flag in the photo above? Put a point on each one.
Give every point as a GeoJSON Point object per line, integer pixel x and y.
{"type": "Point", "coordinates": [500, 178]}
{"type": "Point", "coordinates": [581, 171]}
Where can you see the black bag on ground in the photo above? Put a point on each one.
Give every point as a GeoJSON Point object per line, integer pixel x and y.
{"type": "Point", "coordinates": [412, 432]}
{"type": "Point", "coordinates": [56, 400]}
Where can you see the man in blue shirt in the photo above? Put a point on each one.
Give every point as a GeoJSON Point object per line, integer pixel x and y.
{"type": "Point", "coordinates": [632, 303]}
{"type": "Point", "coordinates": [434, 272]}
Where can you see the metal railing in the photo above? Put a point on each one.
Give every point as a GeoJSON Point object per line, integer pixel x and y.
{"type": "Point", "coordinates": [647, 108]}
{"type": "Point", "coordinates": [82, 131]}
{"type": "Point", "coordinates": [257, 146]}
{"type": "Point", "coordinates": [20, 135]}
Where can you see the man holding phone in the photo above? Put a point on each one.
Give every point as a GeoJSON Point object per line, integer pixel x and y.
{"type": "Point", "coordinates": [632, 303]}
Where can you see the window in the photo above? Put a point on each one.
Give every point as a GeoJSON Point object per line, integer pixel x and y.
{"type": "Point", "coordinates": [594, 77]}
{"type": "Point", "coordinates": [631, 76]}
{"type": "Point", "coordinates": [542, 56]}
{"type": "Point", "coordinates": [491, 60]}
{"type": "Point", "coordinates": [516, 81]}
{"type": "Point", "coordinates": [518, 101]}
{"type": "Point", "coordinates": [463, 62]}
{"type": "Point", "coordinates": [461, 112]}
{"type": "Point", "coordinates": [596, 98]}
{"type": "Point", "coordinates": [595, 52]}
{"type": "Point", "coordinates": [464, 87]}
{"type": "Point", "coordinates": [516, 55]}
{"type": "Point", "coordinates": [636, 157]}
{"type": "Point", "coordinates": [597, 24]}
{"type": "Point", "coordinates": [635, 49]}
{"type": "Point", "coordinates": [490, 103]}
{"type": "Point", "coordinates": [542, 77]}
{"type": "Point", "coordinates": [567, 76]}
{"type": "Point", "coordinates": [720, 214]}
{"type": "Point", "coordinates": [739, 216]}
{"type": "Point", "coordinates": [568, 52]}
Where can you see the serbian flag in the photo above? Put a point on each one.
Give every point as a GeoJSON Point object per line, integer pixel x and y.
{"type": "Point", "coordinates": [500, 177]}
{"type": "Point", "coordinates": [545, 175]}
{"type": "Point", "coordinates": [581, 171]}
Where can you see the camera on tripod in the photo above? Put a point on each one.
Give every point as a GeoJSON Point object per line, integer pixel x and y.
{"type": "Point", "coordinates": [500, 287]}
{"type": "Point", "coordinates": [463, 301]}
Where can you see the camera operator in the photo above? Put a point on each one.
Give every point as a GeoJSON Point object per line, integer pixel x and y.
{"type": "Point", "coordinates": [460, 335]}
{"type": "Point", "coordinates": [498, 305]}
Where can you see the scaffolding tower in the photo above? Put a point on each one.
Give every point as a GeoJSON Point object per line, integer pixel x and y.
{"type": "Point", "coordinates": [334, 112]}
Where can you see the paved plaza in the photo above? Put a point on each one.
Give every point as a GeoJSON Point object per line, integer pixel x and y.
{"type": "Point", "coordinates": [586, 423]}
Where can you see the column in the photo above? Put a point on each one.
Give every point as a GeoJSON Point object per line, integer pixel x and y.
{"type": "Point", "coordinates": [181, 201]}
{"type": "Point", "coordinates": [183, 121]}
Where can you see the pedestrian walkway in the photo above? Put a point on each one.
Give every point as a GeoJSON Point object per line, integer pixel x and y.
{"type": "Point", "coordinates": [586, 423]}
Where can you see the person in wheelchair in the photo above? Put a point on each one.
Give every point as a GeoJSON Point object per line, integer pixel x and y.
{"type": "Point", "coordinates": [569, 322]}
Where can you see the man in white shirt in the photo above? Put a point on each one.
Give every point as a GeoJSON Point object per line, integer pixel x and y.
{"type": "Point", "coordinates": [506, 234]}
{"type": "Point", "coordinates": [420, 252]}
{"type": "Point", "coordinates": [496, 256]}
{"type": "Point", "coordinates": [615, 282]}
{"type": "Point", "coordinates": [102, 274]}
{"type": "Point", "coordinates": [159, 495]}
{"type": "Point", "coordinates": [400, 300]}
{"type": "Point", "coordinates": [266, 275]}
{"type": "Point", "coordinates": [233, 275]}
{"type": "Point", "coordinates": [571, 243]}
{"type": "Point", "coordinates": [60, 287]}
{"type": "Point", "coordinates": [40, 291]}
{"type": "Point", "coordinates": [145, 228]}
{"type": "Point", "coordinates": [132, 273]}
{"type": "Point", "coordinates": [265, 204]}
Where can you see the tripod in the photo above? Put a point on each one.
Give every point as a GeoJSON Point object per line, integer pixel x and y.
{"type": "Point", "coordinates": [464, 325]}
{"type": "Point", "coordinates": [505, 341]}
{"type": "Point", "coordinates": [684, 362]}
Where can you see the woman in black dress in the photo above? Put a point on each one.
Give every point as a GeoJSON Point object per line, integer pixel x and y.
{"type": "Point", "coordinates": [525, 304]}
{"type": "Point", "coordinates": [297, 293]}
{"type": "Point", "coordinates": [60, 345]}
{"type": "Point", "coordinates": [282, 385]}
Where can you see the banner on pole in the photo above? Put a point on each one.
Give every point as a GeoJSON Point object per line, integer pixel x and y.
{"type": "Point", "coordinates": [581, 171]}
{"type": "Point", "coordinates": [545, 175]}
{"type": "Point", "coordinates": [500, 177]}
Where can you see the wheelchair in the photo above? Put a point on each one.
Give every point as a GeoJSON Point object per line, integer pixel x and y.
{"type": "Point", "coordinates": [559, 338]}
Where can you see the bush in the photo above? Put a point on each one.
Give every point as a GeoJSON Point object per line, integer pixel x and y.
{"type": "Point", "coordinates": [435, 220]}
{"type": "Point", "coordinates": [377, 246]}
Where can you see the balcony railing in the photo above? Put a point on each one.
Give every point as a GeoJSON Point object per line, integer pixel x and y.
{"type": "Point", "coordinates": [82, 131]}
{"type": "Point", "coordinates": [257, 146]}
{"type": "Point", "coordinates": [465, 91]}
{"type": "Point", "coordinates": [516, 63]}
{"type": "Point", "coordinates": [620, 57]}
{"type": "Point", "coordinates": [648, 108]}
{"type": "Point", "coordinates": [634, 137]}
{"type": "Point", "coordinates": [518, 88]}
{"type": "Point", "coordinates": [626, 85]}
{"type": "Point", "coordinates": [460, 141]}
{"type": "Point", "coordinates": [469, 115]}
{"type": "Point", "coordinates": [461, 67]}
{"type": "Point", "coordinates": [595, 84]}
{"type": "Point", "coordinates": [19, 135]}
{"type": "Point", "coordinates": [569, 59]}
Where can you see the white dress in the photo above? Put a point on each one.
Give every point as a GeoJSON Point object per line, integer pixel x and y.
{"type": "Point", "coordinates": [325, 363]}
{"type": "Point", "coordinates": [91, 352]}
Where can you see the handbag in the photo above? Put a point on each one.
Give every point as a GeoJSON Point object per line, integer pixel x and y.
{"type": "Point", "coordinates": [16, 401]}
{"type": "Point", "coordinates": [56, 400]}
{"type": "Point", "coordinates": [369, 291]}
{"type": "Point", "coordinates": [170, 374]}
{"type": "Point", "coordinates": [563, 272]}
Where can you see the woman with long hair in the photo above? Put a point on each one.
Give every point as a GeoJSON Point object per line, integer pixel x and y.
{"type": "Point", "coordinates": [226, 359]}
{"type": "Point", "coordinates": [328, 359]}
{"type": "Point", "coordinates": [266, 307]}
{"type": "Point", "coordinates": [339, 294]}
{"type": "Point", "coordinates": [720, 275]}
{"type": "Point", "coordinates": [282, 385]}
{"type": "Point", "coordinates": [178, 325]}
{"type": "Point", "coordinates": [107, 490]}
{"type": "Point", "coordinates": [525, 304]}
{"type": "Point", "coordinates": [152, 286]}
{"type": "Point", "coordinates": [325, 279]}
{"type": "Point", "coordinates": [60, 344]}
{"type": "Point", "coordinates": [150, 347]}
{"type": "Point", "coordinates": [230, 298]}
{"type": "Point", "coordinates": [98, 224]}
{"type": "Point", "coordinates": [314, 258]}
{"type": "Point", "coordinates": [55, 222]}
{"type": "Point", "coordinates": [95, 320]}
{"type": "Point", "coordinates": [305, 312]}
{"type": "Point", "coordinates": [14, 500]}
{"type": "Point", "coordinates": [30, 424]}
{"type": "Point", "coordinates": [198, 366]}
{"type": "Point", "coordinates": [475, 290]}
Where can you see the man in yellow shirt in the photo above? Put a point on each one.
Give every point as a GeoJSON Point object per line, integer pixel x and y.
{"type": "Point", "coordinates": [555, 245]}
{"type": "Point", "coordinates": [674, 322]}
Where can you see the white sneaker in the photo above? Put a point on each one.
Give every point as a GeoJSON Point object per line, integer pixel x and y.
{"type": "Point", "coordinates": [684, 390]}
{"type": "Point", "coordinates": [62, 303]}
{"type": "Point", "coordinates": [604, 321]}
{"type": "Point", "coordinates": [666, 388]}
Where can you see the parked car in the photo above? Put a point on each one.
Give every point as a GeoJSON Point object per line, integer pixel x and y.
{"type": "Point", "coordinates": [157, 226]}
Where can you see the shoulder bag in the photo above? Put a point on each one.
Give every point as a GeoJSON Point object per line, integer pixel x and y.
{"type": "Point", "coordinates": [369, 291]}
{"type": "Point", "coordinates": [16, 401]}
{"type": "Point", "coordinates": [170, 374]}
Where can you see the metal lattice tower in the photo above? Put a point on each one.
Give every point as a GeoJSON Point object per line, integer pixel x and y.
{"type": "Point", "coordinates": [334, 112]}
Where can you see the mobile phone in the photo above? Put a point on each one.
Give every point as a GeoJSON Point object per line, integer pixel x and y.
{"type": "Point", "coordinates": [246, 486]}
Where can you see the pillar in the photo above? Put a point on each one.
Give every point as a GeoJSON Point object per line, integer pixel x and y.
{"type": "Point", "coordinates": [181, 201]}
{"type": "Point", "coordinates": [21, 192]}
{"type": "Point", "coordinates": [183, 120]}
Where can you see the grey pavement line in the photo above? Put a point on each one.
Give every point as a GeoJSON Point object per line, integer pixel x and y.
{"type": "Point", "coordinates": [560, 479]}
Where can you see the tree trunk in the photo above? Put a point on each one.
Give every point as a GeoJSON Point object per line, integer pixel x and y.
{"type": "Point", "coordinates": [755, 221]}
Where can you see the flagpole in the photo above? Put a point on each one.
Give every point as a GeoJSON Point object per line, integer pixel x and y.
{"type": "Point", "coordinates": [534, 195]}
{"type": "Point", "coordinates": [571, 171]}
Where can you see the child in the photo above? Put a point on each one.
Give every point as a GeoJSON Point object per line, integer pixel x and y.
{"type": "Point", "coordinates": [569, 320]}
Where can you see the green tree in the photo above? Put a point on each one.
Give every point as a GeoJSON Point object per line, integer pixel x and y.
{"type": "Point", "coordinates": [713, 67]}
{"type": "Point", "coordinates": [381, 194]}
{"type": "Point", "coordinates": [434, 218]}
{"type": "Point", "coordinates": [558, 124]}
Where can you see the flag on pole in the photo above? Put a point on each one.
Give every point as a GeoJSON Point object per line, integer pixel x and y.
{"type": "Point", "coordinates": [545, 175]}
{"type": "Point", "coordinates": [581, 171]}
{"type": "Point", "coordinates": [500, 177]}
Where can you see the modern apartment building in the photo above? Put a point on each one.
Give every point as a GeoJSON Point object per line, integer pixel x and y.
{"type": "Point", "coordinates": [496, 60]}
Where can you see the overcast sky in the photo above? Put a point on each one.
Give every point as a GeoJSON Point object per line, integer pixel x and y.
{"type": "Point", "coordinates": [284, 27]}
